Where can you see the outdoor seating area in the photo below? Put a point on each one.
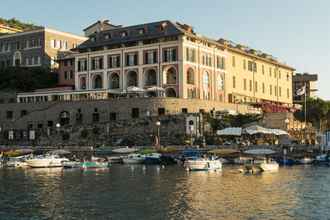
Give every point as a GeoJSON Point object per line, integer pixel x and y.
{"type": "Point", "coordinates": [80, 95]}
{"type": "Point", "coordinates": [252, 135]}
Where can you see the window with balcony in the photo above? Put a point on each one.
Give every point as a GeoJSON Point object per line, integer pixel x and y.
{"type": "Point", "coordinates": [190, 76]}
{"type": "Point", "coordinates": [207, 60]}
{"type": "Point", "coordinates": [252, 66]}
{"type": "Point", "coordinates": [220, 62]}
{"type": "Point", "coordinates": [97, 63]}
{"type": "Point", "coordinates": [82, 65]}
{"type": "Point", "coordinates": [150, 57]}
{"type": "Point", "coordinates": [191, 55]}
{"type": "Point", "coordinates": [169, 55]}
{"type": "Point", "coordinates": [132, 59]}
{"type": "Point", "coordinates": [113, 61]}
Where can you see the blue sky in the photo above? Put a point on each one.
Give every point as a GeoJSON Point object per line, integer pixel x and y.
{"type": "Point", "coordinates": [296, 31]}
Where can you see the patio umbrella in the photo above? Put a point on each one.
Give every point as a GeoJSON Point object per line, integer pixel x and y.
{"type": "Point", "coordinates": [155, 89]}
{"type": "Point", "coordinates": [260, 151]}
{"type": "Point", "coordinates": [231, 131]}
{"type": "Point", "coordinates": [134, 89]}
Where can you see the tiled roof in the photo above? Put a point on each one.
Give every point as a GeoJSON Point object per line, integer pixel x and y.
{"type": "Point", "coordinates": [132, 34]}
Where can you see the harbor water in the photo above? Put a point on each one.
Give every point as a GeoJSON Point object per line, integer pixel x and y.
{"type": "Point", "coordinates": [154, 192]}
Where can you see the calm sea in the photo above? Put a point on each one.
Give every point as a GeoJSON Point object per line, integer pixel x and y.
{"type": "Point", "coordinates": [152, 192]}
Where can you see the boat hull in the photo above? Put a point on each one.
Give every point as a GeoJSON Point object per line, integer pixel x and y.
{"type": "Point", "coordinates": [133, 160]}
{"type": "Point", "coordinates": [43, 163]}
{"type": "Point", "coordinates": [203, 165]}
{"type": "Point", "coordinates": [90, 165]}
{"type": "Point", "coordinates": [269, 167]}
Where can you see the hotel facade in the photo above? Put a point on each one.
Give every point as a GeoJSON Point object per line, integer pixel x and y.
{"type": "Point", "coordinates": [149, 70]}
{"type": "Point", "coordinates": [183, 64]}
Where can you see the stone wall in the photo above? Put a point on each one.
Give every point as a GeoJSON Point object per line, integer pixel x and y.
{"type": "Point", "coordinates": [130, 119]}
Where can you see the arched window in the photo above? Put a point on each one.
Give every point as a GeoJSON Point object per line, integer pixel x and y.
{"type": "Point", "coordinates": [97, 82]}
{"type": "Point", "coordinates": [114, 81]}
{"type": "Point", "coordinates": [171, 76]}
{"type": "Point", "coordinates": [190, 76]}
{"type": "Point", "coordinates": [220, 84]}
{"type": "Point", "coordinates": [17, 58]}
{"type": "Point", "coordinates": [206, 84]}
{"type": "Point", "coordinates": [170, 92]}
{"type": "Point", "coordinates": [83, 83]}
{"type": "Point", "coordinates": [206, 80]}
{"type": "Point", "coordinates": [132, 78]}
{"type": "Point", "coordinates": [150, 77]}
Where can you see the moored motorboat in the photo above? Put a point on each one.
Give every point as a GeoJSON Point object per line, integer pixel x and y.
{"type": "Point", "coordinates": [125, 150]}
{"type": "Point", "coordinates": [115, 159]}
{"type": "Point", "coordinates": [134, 159]}
{"type": "Point", "coordinates": [87, 165]}
{"type": "Point", "coordinates": [46, 161]}
{"type": "Point", "coordinates": [269, 166]}
{"type": "Point", "coordinates": [152, 158]}
{"type": "Point", "coordinates": [202, 164]}
{"type": "Point", "coordinates": [305, 160]}
{"type": "Point", "coordinates": [71, 164]}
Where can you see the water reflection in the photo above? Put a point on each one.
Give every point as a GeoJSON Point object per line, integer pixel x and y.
{"type": "Point", "coordinates": [153, 192]}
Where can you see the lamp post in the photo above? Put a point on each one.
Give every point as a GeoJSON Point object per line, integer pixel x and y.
{"type": "Point", "coordinates": [158, 133]}
{"type": "Point", "coordinates": [58, 126]}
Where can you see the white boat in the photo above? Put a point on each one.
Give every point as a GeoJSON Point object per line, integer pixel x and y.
{"type": "Point", "coordinates": [125, 150]}
{"type": "Point", "coordinates": [202, 164]}
{"type": "Point", "coordinates": [306, 160]}
{"type": "Point", "coordinates": [269, 166]}
{"type": "Point", "coordinates": [20, 164]}
{"type": "Point", "coordinates": [115, 159]}
{"type": "Point", "coordinates": [47, 161]}
{"type": "Point", "coordinates": [134, 159]}
{"type": "Point", "coordinates": [71, 164]}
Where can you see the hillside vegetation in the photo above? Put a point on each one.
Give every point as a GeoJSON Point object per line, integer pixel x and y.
{"type": "Point", "coordinates": [15, 23]}
{"type": "Point", "coordinates": [21, 79]}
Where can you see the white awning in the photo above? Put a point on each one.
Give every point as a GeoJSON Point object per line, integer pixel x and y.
{"type": "Point", "coordinates": [256, 129]}
{"type": "Point", "coordinates": [231, 131]}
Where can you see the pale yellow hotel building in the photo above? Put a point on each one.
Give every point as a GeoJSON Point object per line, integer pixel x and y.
{"type": "Point", "coordinates": [186, 65]}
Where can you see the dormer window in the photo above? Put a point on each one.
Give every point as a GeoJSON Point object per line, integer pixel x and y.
{"type": "Point", "coordinates": [163, 26]}
{"type": "Point", "coordinates": [93, 39]}
{"type": "Point", "coordinates": [107, 36]}
{"type": "Point", "coordinates": [141, 31]}
{"type": "Point", "coordinates": [124, 34]}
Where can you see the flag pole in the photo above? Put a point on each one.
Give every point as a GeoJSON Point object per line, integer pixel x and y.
{"type": "Point", "coordinates": [305, 104]}
{"type": "Point", "coordinates": [305, 112]}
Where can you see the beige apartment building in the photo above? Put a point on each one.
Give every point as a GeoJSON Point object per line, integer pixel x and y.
{"type": "Point", "coordinates": [36, 48]}
{"type": "Point", "coordinates": [254, 77]}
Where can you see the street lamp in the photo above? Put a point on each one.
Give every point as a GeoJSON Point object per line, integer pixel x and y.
{"type": "Point", "coordinates": [158, 133]}
{"type": "Point", "coordinates": [58, 126]}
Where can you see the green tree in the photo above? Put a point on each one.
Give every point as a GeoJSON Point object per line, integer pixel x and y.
{"type": "Point", "coordinates": [318, 112]}
{"type": "Point", "coordinates": [22, 79]}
